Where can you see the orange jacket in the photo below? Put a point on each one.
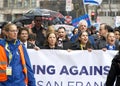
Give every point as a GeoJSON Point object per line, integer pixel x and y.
{"type": "Point", "coordinates": [4, 62]}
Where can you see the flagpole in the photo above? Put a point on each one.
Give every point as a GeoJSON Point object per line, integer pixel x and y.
{"type": "Point", "coordinates": [84, 7]}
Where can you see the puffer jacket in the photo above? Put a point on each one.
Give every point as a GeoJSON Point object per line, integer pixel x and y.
{"type": "Point", "coordinates": [17, 77]}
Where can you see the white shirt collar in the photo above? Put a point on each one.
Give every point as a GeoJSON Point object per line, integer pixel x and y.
{"type": "Point", "coordinates": [25, 44]}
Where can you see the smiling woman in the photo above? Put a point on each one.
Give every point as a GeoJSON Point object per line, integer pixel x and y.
{"type": "Point", "coordinates": [82, 42]}
{"type": "Point", "coordinates": [111, 42]}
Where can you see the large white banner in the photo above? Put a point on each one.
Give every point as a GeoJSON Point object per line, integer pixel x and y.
{"type": "Point", "coordinates": [75, 68]}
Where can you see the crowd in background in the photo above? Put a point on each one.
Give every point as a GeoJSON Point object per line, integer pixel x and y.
{"type": "Point", "coordinates": [38, 37]}
{"type": "Point", "coordinates": [82, 37]}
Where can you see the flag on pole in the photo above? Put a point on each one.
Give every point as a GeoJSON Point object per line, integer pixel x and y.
{"type": "Point", "coordinates": [92, 2]}
{"type": "Point", "coordinates": [76, 21]}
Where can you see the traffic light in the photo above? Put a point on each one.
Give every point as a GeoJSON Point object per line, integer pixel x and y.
{"type": "Point", "coordinates": [92, 16]}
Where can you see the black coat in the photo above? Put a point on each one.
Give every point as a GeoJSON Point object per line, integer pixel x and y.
{"type": "Point", "coordinates": [39, 36]}
{"type": "Point", "coordinates": [114, 73]}
{"type": "Point", "coordinates": [67, 44]}
{"type": "Point", "coordinates": [101, 43]}
{"type": "Point", "coordinates": [76, 46]}
{"type": "Point", "coordinates": [47, 47]}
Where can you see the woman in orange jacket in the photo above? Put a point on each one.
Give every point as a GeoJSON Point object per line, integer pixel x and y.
{"type": "Point", "coordinates": [15, 66]}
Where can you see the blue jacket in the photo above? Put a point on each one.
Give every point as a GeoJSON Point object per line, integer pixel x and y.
{"type": "Point", "coordinates": [17, 77]}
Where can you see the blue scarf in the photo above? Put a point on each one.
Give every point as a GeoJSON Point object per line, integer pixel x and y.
{"type": "Point", "coordinates": [110, 47]}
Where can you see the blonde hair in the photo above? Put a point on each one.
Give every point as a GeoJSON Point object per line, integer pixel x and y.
{"type": "Point", "coordinates": [109, 33]}
{"type": "Point", "coordinates": [7, 27]}
{"type": "Point", "coordinates": [50, 29]}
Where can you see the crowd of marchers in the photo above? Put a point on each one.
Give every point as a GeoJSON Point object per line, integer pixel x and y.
{"type": "Point", "coordinates": [81, 38]}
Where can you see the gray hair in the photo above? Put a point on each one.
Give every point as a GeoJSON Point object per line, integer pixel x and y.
{"type": "Point", "coordinates": [82, 21]}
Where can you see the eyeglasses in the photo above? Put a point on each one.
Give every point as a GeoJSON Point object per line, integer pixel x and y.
{"type": "Point", "coordinates": [13, 31]}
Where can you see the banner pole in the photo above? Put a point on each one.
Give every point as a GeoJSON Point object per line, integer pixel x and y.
{"type": "Point", "coordinates": [84, 7]}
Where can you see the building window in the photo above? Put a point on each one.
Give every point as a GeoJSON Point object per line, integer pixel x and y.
{"type": "Point", "coordinates": [19, 3]}
{"type": "Point", "coordinates": [118, 13]}
{"type": "Point", "coordinates": [101, 13]}
{"type": "Point", "coordinates": [8, 17]}
{"type": "Point", "coordinates": [105, 1]}
{"type": "Point", "coordinates": [111, 13]}
{"type": "Point", "coordinates": [115, 1]}
{"type": "Point", "coordinates": [33, 3]}
{"type": "Point", "coordinates": [11, 3]}
{"type": "Point", "coordinates": [5, 3]}
{"type": "Point", "coordinates": [105, 14]}
{"type": "Point", "coordinates": [26, 3]}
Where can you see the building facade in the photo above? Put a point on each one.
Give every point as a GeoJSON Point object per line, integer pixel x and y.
{"type": "Point", "coordinates": [105, 13]}
{"type": "Point", "coordinates": [11, 9]}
